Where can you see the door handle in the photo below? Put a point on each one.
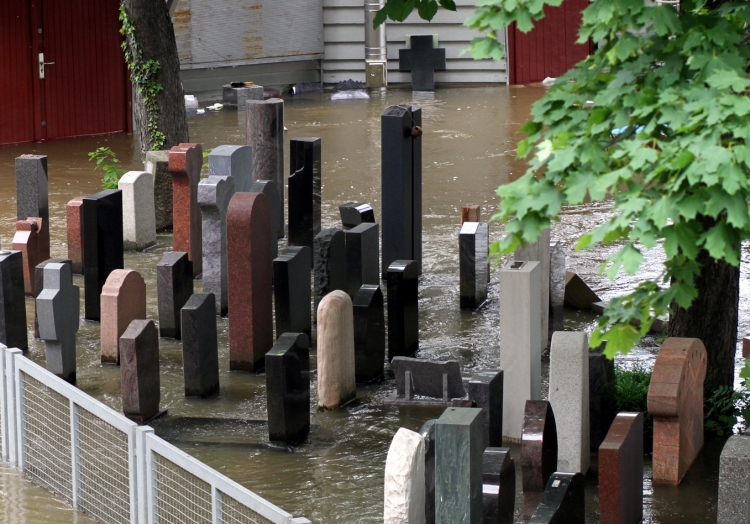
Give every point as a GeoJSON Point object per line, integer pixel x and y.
{"type": "Point", "coordinates": [42, 63]}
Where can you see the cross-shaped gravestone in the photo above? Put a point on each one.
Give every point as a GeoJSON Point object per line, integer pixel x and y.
{"type": "Point", "coordinates": [422, 59]}
{"type": "Point", "coordinates": [58, 308]}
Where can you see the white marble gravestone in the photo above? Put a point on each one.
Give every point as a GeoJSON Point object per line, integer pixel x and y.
{"type": "Point", "coordinates": [336, 374]}
{"type": "Point", "coordinates": [404, 486]}
{"type": "Point", "coordinates": [138, 214]}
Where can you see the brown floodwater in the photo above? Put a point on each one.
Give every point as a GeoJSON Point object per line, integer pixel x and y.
{"type": "Point", "coordinates": [337, 474]}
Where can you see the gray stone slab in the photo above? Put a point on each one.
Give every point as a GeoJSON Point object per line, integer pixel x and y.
{"type": "Point", "coordinates": [214, 194]}
{"type": "Point", "coordinates": [556, 286]}
{"type": "Point", "coordinates": [734, 481]}
{"type": "Point", "coordinates": [157, 163]}
{"type": "Point", "coordinates": [235, 162]}
{"type": "Point", "coordinates": [12, 301]}
{"type": "Point", "coordinates": [539, 251]}
{"type": "Point", "coordinates": [39, 284]}
{"type": "Point", "coordinates": [58, 307]}
{"type": "Point", "coordinates": [473, 254]}
{"type": "Point", "coordinates": [430, 378]}
{"type": "Point", "coordinates": [362, 257]}
{"type": "Point", "coordinates": [268, 188]}
{"type": "Point", "coordinates": [200, 352]}
{"type": "Point", "coordinates": [486, 391]}
{"type": "Point", "coordinates": [32, 194]}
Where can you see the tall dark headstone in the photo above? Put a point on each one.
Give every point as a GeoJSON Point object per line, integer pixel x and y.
{"type": "Point", "coordinates": [499, 486]}
{"type": "Point", "coordinates": [486, 390]}
{"type": "Point", "coordinates": [602, 396]}
{"type": "Point", "coordinates": [330, 263]}
{"type": "Point", "coordinates": [362, 257]}
{"type": "Point", "coordinates": [139, 371]}
{"type": "Point", "coordinates": [174, 286]}
{"type": "Point", "coordinates": [403, 308]}
{"type": "Point", "coordinates": [32, 194]}
{"type": "Point", "coordinates": [12, 301]}
{"type": "Point", "coordinates": [621, 472]}
{"type": "Point", "coordinates": [473, 253]}
{"type": "Point", "coordinates": [304, 191]}
{"type": "Point", "coordinates": [200, 352]}
{"type": "Point", "coordinates": [59, 305]}
{"type": "Point", "coordinates": [428, 433]}
{"type": "Point", "coordinates": [291, 277]}
{"type": "Point", "coordinates": [422, 59]}
{"type": "Point", "coordinates": [102, 245]}
{"type": "Point", "coordinates": [538, 445]}
{"type": "Point", "coordinates": [401, 185]}
{"type": "Point", "coordinates": [268, 188]}
{"type": "Point", "coordinates": [39, 284]}
{"type": "Point", "coordinates": [288, 388]}
{"type": "Point", "coordinates": [369, 333]}
{"type": "Point", "coordinates": [563, 501]}
{"type": "Point", "coordinates": [356, 213]}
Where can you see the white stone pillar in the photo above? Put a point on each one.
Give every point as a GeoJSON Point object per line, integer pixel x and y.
{"type": "Point", "coordinates": [404, 486]}
{"type": "Point", "coordinates": [138, 214]}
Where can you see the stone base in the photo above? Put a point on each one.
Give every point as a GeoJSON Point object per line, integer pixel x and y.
{"type": "Point", "coordinates": [394, 400]}
{"type": "Point", "coordinates": [141, 422]}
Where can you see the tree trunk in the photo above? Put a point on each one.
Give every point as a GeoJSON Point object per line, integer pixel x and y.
{"type": "Point", "coordinates": [154, 35]}
{"type": "Point", "coordinates": [712, 317]}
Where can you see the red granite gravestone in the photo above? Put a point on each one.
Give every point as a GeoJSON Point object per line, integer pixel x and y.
{"type": "Point", "coordinates": [185, 162]}
{"type": "Point", "coordinates": [123, 300]}
{"type": "Point", "coordinates": [621, 471]}
{"type": "Point", "coordinates": [74, 215]}
{"type": "Point", "coordinates": [30, 241]}
{"type": "Point", "coordinates": [675, 400]}
{"type": "Point", "coordinates": [140, 371]}
{"type": "Point", "coordinates": [249, 278]}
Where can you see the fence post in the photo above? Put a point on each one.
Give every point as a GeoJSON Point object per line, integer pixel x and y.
{"type": "Point", "coordinates": [215, 505]}
{"type": "Point", "coordinates": [142, 462]}
{"type": "Point", "coordinates": [74, 462]}
{"type": "Point", "coordinates": [13, 400]}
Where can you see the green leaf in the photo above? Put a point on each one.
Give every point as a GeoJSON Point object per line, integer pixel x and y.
{"type": "Point", "coordinates": [427, 9]}
{"type": "Point", "coordinates": [450, 5]}
{"type": "Point", "coordinates": [380, 17]}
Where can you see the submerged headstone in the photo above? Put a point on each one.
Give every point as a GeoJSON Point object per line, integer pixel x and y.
{"type": "Point", "coordinates": [58, 307]}
{"type": "Point", "coordinates": [291, 277]}
{"type": "Point", "coordinates": [139, 371]}
{"type": "Point", "coordinates": [403, 308]}
{"type": "Point", "coordinates": [422, 58]}
{"type": "Point", "coordinates": [563, 501]}
{"type": "Point", "coordinates": [214, 194]}
{"type": "Point", "coordinates": [404, 492]}
{"type": "Point", "coordinates": [268, 188]}
{"type": "Point", "coordinates": [499, 486]}
{"type": "Point", "coordinates": [200, 352]}
{"type": "Point", "coordinates": [288, 388]}
{"type": "Point", "coordinates": [29, 241]}
{"type": "Point", "coordinates": [138, 216]}
{"type": "Point", "coordinates": [369, 333]}
{"type": "Point", "coordinates": [539, 251]}
{"type": "Point", "coordinates": [362, 257]}
{"type": "Point", "coordinates": [174, 286]}
{"type": "Point", "coordinates": [429, 378]}
{"type": "Point", "coordinates": [621, 472]}
{"type": "Point", "coordinates": [304, 191]}
{"type": "Point", "coordinates": [486, 391]}
{"type": "Point", "coordinates": [356, 213]}
{"type": "Point", "coordinates": [185, 163]}
{"type": "Point", "coordinates": [538, 445]}
{"type": "Point", "coordinates": [157, 163]}
{"type": "Point", "coordinates": [74, 220]}
{"type": "Point", "coordinates": [336, 373]}
{"type": "Point", "coordinates": [123, 300]}
{"type": "Point", "coordinates": [12, 302]}
{"type": "Point", "coordinates": [235, 162]}
{"type": "Point", "coordinates": [734, 481]}
{"type": "Point", "coordinates": [473, 254]}
{"type": "Point", "coordinates": [330, 263]}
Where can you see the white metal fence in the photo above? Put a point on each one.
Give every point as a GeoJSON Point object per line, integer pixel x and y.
{"type": "Point", "coordinates": [105, 465]}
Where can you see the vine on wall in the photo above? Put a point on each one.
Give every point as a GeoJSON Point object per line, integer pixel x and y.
{"type": "Point", "coordinates": [143, 74]}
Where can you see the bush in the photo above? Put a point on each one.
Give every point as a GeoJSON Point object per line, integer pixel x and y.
{"type": "Point", "coordinates": [726, 410]}
{"type": "Point", "coordinates": [106, 158]}
{"type": "Point", "coordinates": [631, 386]}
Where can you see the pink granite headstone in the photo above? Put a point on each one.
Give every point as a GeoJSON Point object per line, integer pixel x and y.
{"type": "Point", "coordinates": [123, 300]}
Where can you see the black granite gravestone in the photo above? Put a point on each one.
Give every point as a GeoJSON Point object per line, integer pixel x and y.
{"type": "Point", "coordinates": [563, 501]}
{"type": "Point", "coordinates": [473, 254]}
{"type": "Point", "coordinates": [401, 185]}
{"type": "Point", "coordinates": [362, 257]}
{"type": "Point", "coordinates": [422, 59]}
{"type": "Point", "coordinates": [486, 390]}
{"type": "Point", "coordinates": [200, 352]}
{"type": "Point", "coordinates": [356, 213]}
{"type": "Point", "coordinates": [538, 445]}
{"type": "Point", "coordinates": [268, 188]}
{"type": "Point", "coordinates": [429, 378]}
{"type": "Point", "coordinates": [139, 371]}
{"type": "Point", "coordinates": [12, 301]}
{"type": "Point", "coordinates": [174, 286]}
{"type": "Point", "coordinates": [39, 284]}
{"type": "Point", "coordinates": [330, 263]}
{"type": "Point", "coordinates": [403, 308]}
{"type": "Point", "coordinates": [369, 334]}
{"type": "Point", "coordinates": [602, 396]}
{"type": "Point", "coordinates": [304, 191]}
{"type": "Point", "coordinates": [291, 289]}
{"type": "Point", "coordinates": [102, 246]}
{"type": "Point", "coordinates": [428, 433]}
{"type": "Point", "coordinates": [498, 486]}
{"type": "Point", "coordinates": [288, 388]}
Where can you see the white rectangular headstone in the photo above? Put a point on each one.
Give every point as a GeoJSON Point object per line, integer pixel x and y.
{"type": "Point", "coordinates": [539, 252]}
{"type": "Point", "coordinates": [138, 213]}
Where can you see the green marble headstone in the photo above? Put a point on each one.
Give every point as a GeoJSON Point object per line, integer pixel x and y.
{"type": "Point", "coordinates": [458, 466]}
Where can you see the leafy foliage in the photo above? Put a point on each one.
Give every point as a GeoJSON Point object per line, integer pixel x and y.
{"type": "Point", "coordinates": [726, 410]}
{"type": "Point", "coordinates": [105, 159]}
{"type": "Point", "coordinates": [398, 10]}
{"type": "Point", "coordinates": [632, 394]}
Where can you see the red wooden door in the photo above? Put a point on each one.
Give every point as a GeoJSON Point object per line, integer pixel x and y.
{"type": "Point", "coordinates": [549, 50]}
{"type": "Point", "coordinates": [16, 73]}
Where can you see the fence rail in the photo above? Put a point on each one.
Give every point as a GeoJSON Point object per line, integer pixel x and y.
{"type": "Point", "coordinates": [100, 462]}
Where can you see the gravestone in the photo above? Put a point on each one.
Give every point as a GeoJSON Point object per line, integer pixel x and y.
{"type": "Point", "coordinates": [428, 434]}
{"type": "Point", "coordinates": [336, 375]}
{"type": "Point", "coordinates": [304, 191]}
{"type": "Point", "coordinates": [422, 57]}
{"type": "Point", "coordinates": [237, 97]}
{"type": "Point", "coordinates": [458, 466]}
{"type": "Point", "coordinates": [157, 163]}
{"type": "Point", "coordinates": [569, 398]}
{"type": "Point", "coordinates": [362, 257]}
{"type": "Point", "coordinates": [58, 308]}
{"type": "Point", "coordinates": [538, 445]}
{"type": "Point", "coordinates": [32, 194]}
{"type": "Point", "coordinates": [429, 378]}
{"type": "Point", "coordinates": [498, 486]}
{"type": "Point", "coordinates": [214, 194]}
{"type": "Point", "coordinates": [288, 388]}
{"type": "Point", "coordinates": [74, 220]}
{"type": "Point", "coordinates": [486, 391]}
{"type": "Point", "coordinates": [29, 241]}
{"type": "Point", "coordinates": [174, 287]}
{"type": "Point", "coordinates": [578, 294]}
{"type": "Point", "coordinates": [39, 285]}
{"type": "Point", "coordinates": [268, 188]}
{"type": "Point", "coordinates": [401, 185]}
{"type": "Point", "coordinates": [249, 281]}
{"type": "Point", "coordinates": [403, 308]}
{"type": "Point", "coordinates": [734, 481]}
{"type": "Point", "coordinates": [556, 286]}
{"type": "Point", "coordinates": [235, 162]}
{"type": "Point", "coordinates": [12, 302]}
{"type": "Point", "coordinates": [264, 124]}
{"type": "Point", "coordinates": [123, 300]}
{"type": "Point", "coordinates": [746, 347]}
{"type": "Point", "coordinates": [102, 244]}
{"type": "Point", "coordinates": [602, 396]}
{"type": "Point", "coordinates": [539, 251]}
{"type": "Point", "coordinates": [473, 253]}
{"type": "Point", "coordinates": [356, 213]}
{"type": "Point", "coordinates": [404, 491]}
{"type": "Point", "coordinates": [139, 371]}
{"type": "Point", "coordinates": [675, 401]}
{"type": "Point", "coordinates": [470, 213]}
{"type": "Point", "coordinates": [563, 501]}
{"type": "Point", "coordinates": [200, 352]}
{"type": "Point", "coordinates": [369, 334]}
{"type": "Point", "coordinates": [138, 216]}
{"type": "Point", "coordinates": [520, 341]}
{"type": "Point", "coordinates": [329, 263]}
{"type": "Point", "coordinates": [185, 163]}
{"type": "Point", "coordinates": [291, 277]}
{"type": "Point", "coordinates": [621, 471]}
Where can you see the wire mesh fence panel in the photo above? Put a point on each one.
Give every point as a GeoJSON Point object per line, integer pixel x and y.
{"type": "Point", "coordinates": [46, 444]}
{"type": "Point", "coordinates": [103, 465]}
{"type": "Point", "coordinates": [180, 497]}
{"type": "Point", "coordinates": [234, 512]}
